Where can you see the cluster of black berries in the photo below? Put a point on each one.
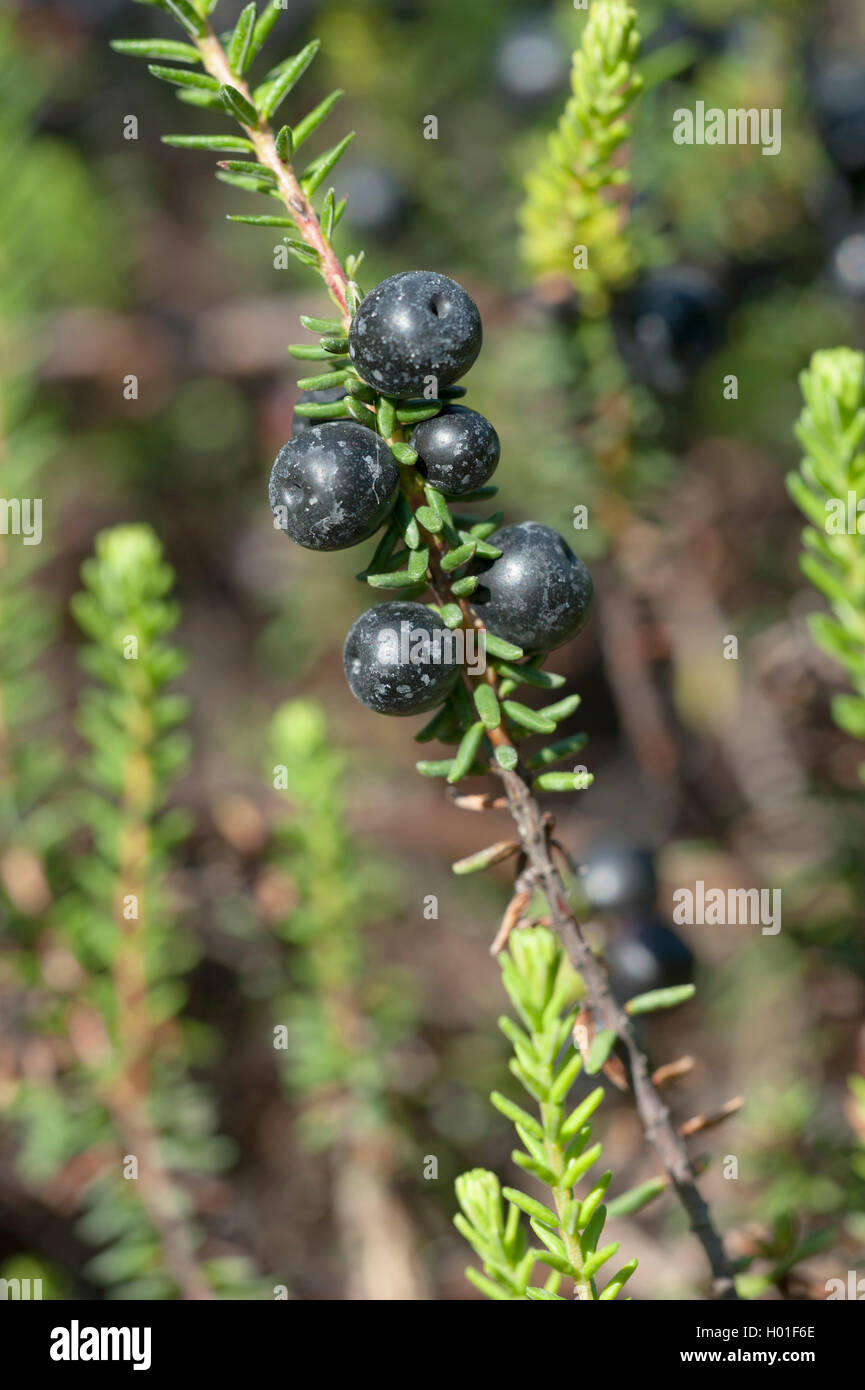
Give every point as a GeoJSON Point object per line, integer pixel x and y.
{"type": "Point", "coordinates": [337, 483]}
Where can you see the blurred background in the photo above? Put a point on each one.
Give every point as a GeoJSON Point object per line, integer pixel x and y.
{"type": "Point", "coordinates": [305, 907]}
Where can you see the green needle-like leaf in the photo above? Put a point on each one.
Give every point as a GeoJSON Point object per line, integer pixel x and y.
{"type": "Point", "coordinates": [397, 579]}
{"type": "Point", "coordinates": [238, 106]}
{"type": "Point", "coordinates": [316, 117]}
{"type": "Point", "coordinates": [157, 48]}
{"type": "Point", "coordinates": [602, 1045]}
{"type": "Point", "coordinates": [317, 172]}
{"type": "Point", "coordinates": [554, 752]}
{"type": "Point", "coordinates": [262, 222]}
{"type": "Point", "coordinates": [238, 53]}
{"type": "Point", "coordinates": [531, 1207]}
{"type": "Point", "coordinates": [181, 78]}
{"type": "Point", "coordinates": [637, 1197]}
{"type": "Point", "coordinates": [465, 754]}
{"type": "Point", "coordinates": [528, 675]}
{"type": "Point", "coordinates": [487, 705]}
{"type": "Point", "coordinates": [404, 454]}
{"type": "Point", "coordinates": [528, 718]}
{"type": "Point", "coordinates": [516, 1114]}
{"type": "Point", "coordinates": [418, 562]}
{"type": "Point", "coordinates": [270, 95]}
{"type": "Point", "coordinates": [285, 144]}
{"type": "Point", "coordinates": [657, 999]}
{"type": "Point", "coordinates": [224, 143]}
{"type": "Point", "coordinates": [306, 352]}
{"type": "Point", "coordinates": [386, 417]}
{"type": "Point", "coordinates": [577, 1119]}
{"type": "Point", "coordinates": [563, 781]}
{"type": "Point", "coordinates": [264, 26]}
{"type": "Point", "coordinates": [322, 382]}
{"type": "Point", "coordinates": [460, 556]}
{"type": "Point", "coordinates": [462, 588]}
{"type": "Point", "coordinates": [413, 414]}
{"type": "Point", "coordinates": [617, 1282]}
{"type": "Point", "coordinates": [439, 769]}
{"type": "Point", "coordinates": [499, 648]}
{"type": "Point", "coordinates": [329, 410]}
{"type": "Point", "coordinates": [251, 169]}
{"type": "Point", "coordinates": [563, 709]}
{"type": "Point", "coordinates": [186, 16]}
{"type": "Point", "coordinates": [429, 520]}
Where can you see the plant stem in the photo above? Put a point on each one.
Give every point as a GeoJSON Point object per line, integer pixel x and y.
{"type": "Point", "coordinates": [534, 834]}
{"type": "Point", "coordinates": [297, 204]}
{"type": "Point", "coordinates": [129, 1098]}
{"type": "Point", "coordinates": [655, 1117]}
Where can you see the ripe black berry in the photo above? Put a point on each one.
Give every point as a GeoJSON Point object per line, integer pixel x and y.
{"type": "Point", "coordinates": [618, 876]}
{"type": "Point", "coordinates": [333, 486]}
{"type": "Point", "coordinates": [458, 450]}
{"type": "Point", "coordinates": [647, 955]}
{"type": "Point", "coordinates": [668, 325]}
{"type": "Point", "coordinates": [537, 594]}
{"type": "Point", "coordinates": [299, 423]}
{"type": "Point", "coordinates": [412, 327]}
{"type": "Point", "coordinates": [399, 659]}
{"type": "Point", "coordinates": [837, 85]}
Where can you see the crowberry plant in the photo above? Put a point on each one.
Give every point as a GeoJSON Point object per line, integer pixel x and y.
{"type": "Point", "coordinates": [395, 354]}
{"type": "Point", "coordinates": [829, 490]}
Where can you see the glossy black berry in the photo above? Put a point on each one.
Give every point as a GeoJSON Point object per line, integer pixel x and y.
{"type": "Point", "coordinates": [332, 486]}
{"type": "Point", "coordinates": [837, 93]}
{"type": "Point", "coordinates": [400, 658]}
{"type": "Point", "coordinates": [414, 327]}
{"type": "Point", "coordinates": [619, 877]}
{"type": "Point", "coordinates": [299, 423]}
{"type": "Point", "coordinates": [644, 956]}
{"type": "Point", "coordinates": [458, 450]}
{"type": "Point", "coordinates": [537, 594]}
{"type": "Point", "coordinates": [668, 325]}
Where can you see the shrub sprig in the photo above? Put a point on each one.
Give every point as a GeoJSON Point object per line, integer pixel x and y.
{"type": "Point", "coordinates": [557, 1148]}
{"type": "Point", "coordinates": [481, 716]}
{"type": "Point", "coordinates": [829, 489]}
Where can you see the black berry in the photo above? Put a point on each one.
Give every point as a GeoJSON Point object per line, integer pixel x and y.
{"type": "Point", "coordinates": [647, 955]}
{"type": "Point", "coordinates": [837, 87]}
{"type": "Point", "coordinates": [399, 658]}
{"type": "Point", "coordinates": [299, 423]}
{"type": "Point", "coordinates": [619, 877]}
{"type": "Point", "coordinates": [537, 594]}
{"type": "Point", "coordinates": [458, 450]}
{"type": "Point", "coordinates": [668, 325]}
{"type": "Point", "coordinates": [333, 485]}
{"type": "Point", "coordinates": [413, 327]}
